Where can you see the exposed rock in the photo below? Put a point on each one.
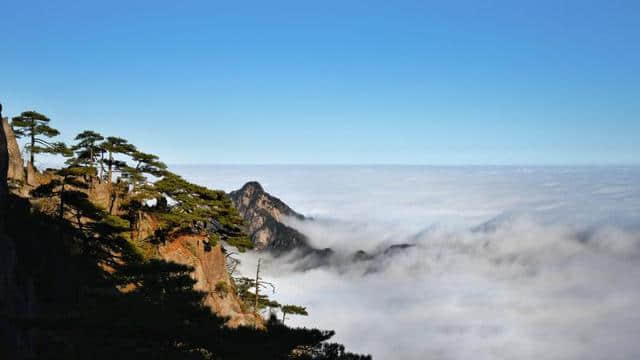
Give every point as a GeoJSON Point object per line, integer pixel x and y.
{"type": "Point", "coordinates": [265, 216]}
{"type": "Point", "coordinates": [16, 296]}
{"type": "Point", "coordinates": [394, 249]}
{"type": "Point", "coordinates": [15, 163]}
{"type": "Point", "coordinates": [362, 255]}
{"type": "Point", "coordinates": [32, 175]}
{"type": "Point", "coordinates": [210, 270]}
{"type": "Point", "coordinates": [4, 168]}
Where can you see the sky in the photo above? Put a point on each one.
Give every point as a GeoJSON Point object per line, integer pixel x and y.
{"type": "Point", "coordinates": [334, 82]}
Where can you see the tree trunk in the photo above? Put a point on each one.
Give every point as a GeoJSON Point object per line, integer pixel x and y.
{"type": "Point", "coordinates": [61, 214]}
{"type": "Point", "coordinates": [135, 232]}
{"type": "Point", "coordinates": [255, 307]}
{"type": "Point", "coordinates": [92, 164]}
{"type": "Point", "coordinates": [33, 144]}
{"type": "Point", "coordinates": [110, 172]}
{"type": "Point", "coordinates": [101, 165]}
{"type": "Point", "coordinates": [114, 197]}
{"type": "Point", "coordinates": [138, 227]}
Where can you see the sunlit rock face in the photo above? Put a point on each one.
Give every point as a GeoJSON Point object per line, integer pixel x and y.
{"type": "Point", "coordinates": [4, 165]}
{"type": "Point", "coordinates": [210, 272]}
{"type": "Point", "coordinates": [265, 216]}
{"type": "Point", "coordinates": [15, 170]}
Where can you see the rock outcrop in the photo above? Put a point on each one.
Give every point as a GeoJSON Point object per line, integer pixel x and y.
{"type": "Point", "coordinates": [4, 169]}
{"type": "Point", "coordinates": [264, 215]}
{"type": "Point", "coordinates": [211, 274]}
{"type": "Point", "coordinates": [15, 163]}
{"type": "Point", "coordinates": [16, 295]}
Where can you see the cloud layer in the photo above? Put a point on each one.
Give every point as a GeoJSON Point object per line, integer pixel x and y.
{"type": "Point", "coordinates": [509, 263]}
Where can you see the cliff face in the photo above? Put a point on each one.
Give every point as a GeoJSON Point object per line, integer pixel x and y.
{"type": "Point", "coordinates": [264, 215]}
{"type": "Point", "coordinates": [211, 276]}
{"type": "Point", "coordinates": [16, 293]}
{"type": "Point", "coordinates": [15, 163]}
{"type": "Point", "coordinates": [4, 168]}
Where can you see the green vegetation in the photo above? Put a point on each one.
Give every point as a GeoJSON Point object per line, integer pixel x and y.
{"type": "Point", "coordinates": [198, 209]}
{"type": "Point", "coordinates": [293, 310]}
{"type": "Point", "coordinates": [114, 146]}
{"type": "Point", "coordinates": [248, 297]}
{"type": "Point", "coordinates": [92, 262]}
{"type": "Point", "coordinates": [34, 126]}
{"type": "Point", "coordinates": [87, 148]}
{"type": "Point", "coordinates": [221, 288]}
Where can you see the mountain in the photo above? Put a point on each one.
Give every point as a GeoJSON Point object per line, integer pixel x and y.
{"type": "Point", "coordinates": [90, 270]}
{"type": "Point", "coordinates": [265, 217]}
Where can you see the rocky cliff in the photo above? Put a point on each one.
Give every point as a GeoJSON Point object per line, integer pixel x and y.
{"type": "Point", "coordinates": [264, 215]}
{"type": "Point", "coordinates": [4, 168]}
{"type": "Point", "coordinates": [211, 275]}
{"type": "Point", "coordinates": [16, 291]}
{"type": "Point", "coordinates": [15, 164]}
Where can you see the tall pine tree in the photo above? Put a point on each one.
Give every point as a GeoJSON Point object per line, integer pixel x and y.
{"type": "Point", "coordinates": [112, 146]}
{"type": "Point", "coordinates": [87, 149]}
{"type": "Point", "coordinates": [35, 127]}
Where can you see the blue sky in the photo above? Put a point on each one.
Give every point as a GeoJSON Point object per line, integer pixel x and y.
{"type": "Point", "coordinates": [394, 82]}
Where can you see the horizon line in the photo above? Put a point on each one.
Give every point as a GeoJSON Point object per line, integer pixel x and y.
{"type": "Point", "coordinates": [415, 164]}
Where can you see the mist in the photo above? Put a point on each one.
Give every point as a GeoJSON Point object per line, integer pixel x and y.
{"type": "Point", "coordinates": [508, 262]}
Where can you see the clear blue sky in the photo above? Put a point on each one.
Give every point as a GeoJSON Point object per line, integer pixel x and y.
{"type": "Point", "coordinates": [407, 82]}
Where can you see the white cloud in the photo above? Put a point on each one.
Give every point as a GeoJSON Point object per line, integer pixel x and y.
{"type": "Point", "coordinates": [552, 274]}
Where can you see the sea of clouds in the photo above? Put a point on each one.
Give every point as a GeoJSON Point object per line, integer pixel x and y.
{"type": "Point", "coordinates": [508, 262]}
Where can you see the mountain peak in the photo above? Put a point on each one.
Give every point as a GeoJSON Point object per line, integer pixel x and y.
{"type": "Point", "coordinates": [252, 186]}
{"type": "Point", "coordinates": [265, 215]}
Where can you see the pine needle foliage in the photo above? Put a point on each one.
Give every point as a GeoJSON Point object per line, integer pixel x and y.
{"type": "Point", "coordinates": [35, 127]}
{"type": "Point", "coordinates": [196, 209]}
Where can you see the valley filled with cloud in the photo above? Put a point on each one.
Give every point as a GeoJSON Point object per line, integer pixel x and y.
{"type": "Point", "coordinates": [504, 262]}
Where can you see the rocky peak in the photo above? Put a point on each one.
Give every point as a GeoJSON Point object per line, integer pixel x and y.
{"type": "Point", "coordinates": [251, 187]}
{"type": "Point", "coordinates": [265, 215]}
{"type": "Point", "coordinates": [253, 197]}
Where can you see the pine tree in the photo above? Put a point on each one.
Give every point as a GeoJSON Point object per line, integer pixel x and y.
{"type": "Point", "coordinates": [140, 190]}
{"type": "Point", "coordinates": [87, 149]}
{"type": "Point", "coordinates": [198, 210]}
{"type": "Point", "coordinates": [74, 208]}
{"type": "Point", "coordinates": [112, 146]}
{"type": "Point", "coordinates": [293, 310]}
{"type": "Point", "coordinates": [34, 126]}
{"type": "Point", "coordinates": [148, 163]}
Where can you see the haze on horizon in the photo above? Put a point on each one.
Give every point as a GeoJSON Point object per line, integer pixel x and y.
{"type": "Point", "coordinates": [371, 82]}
